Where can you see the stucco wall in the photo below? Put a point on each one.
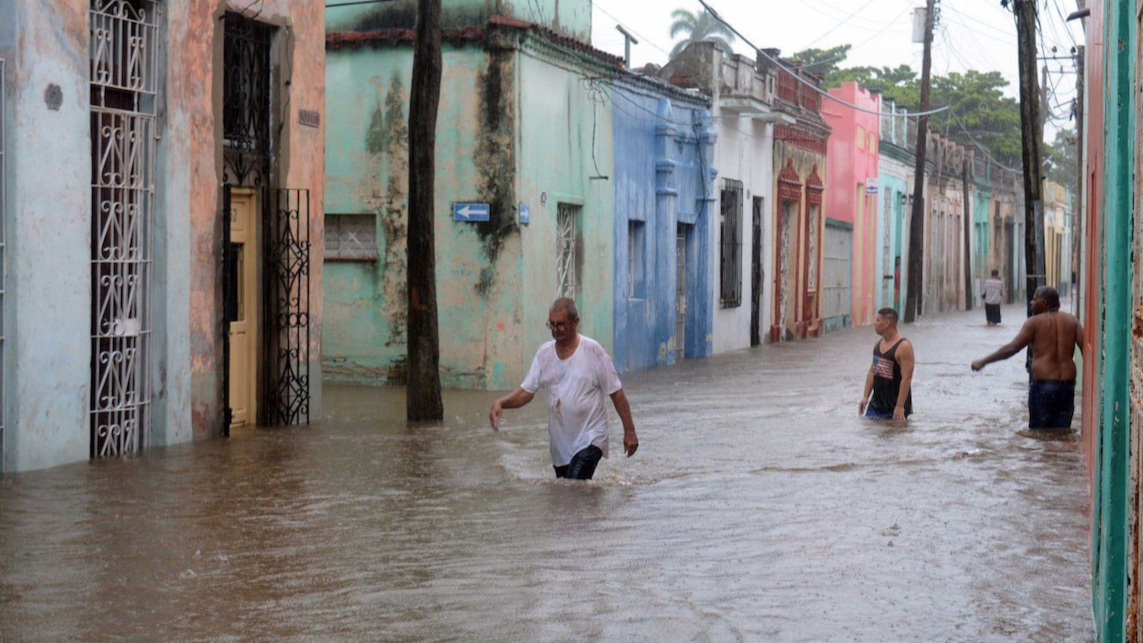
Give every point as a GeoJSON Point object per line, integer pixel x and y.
{"type": "Point", "coordinates": [367, 172]}
{"type": "Point", "coordinates": [854, 144]}
{"type": "Point", "coordinates": [48, 206]}
{"type": "Point", "coordinates": [660, 181]}
{"type": "Point", "coordinates": [896, 180]}
{"type": "Point", "coordinates": [48, 210]}
{"type": "Point", "coordinates": [745, 152]}
{"type": "Point", "coordinates": [795, 282]}
{"type": "Point", "coordinates": [526, 133]}
{"type": "Point", "coordinates": [570, 17]}
{"type": "Point", "coordinates": [564, 140]}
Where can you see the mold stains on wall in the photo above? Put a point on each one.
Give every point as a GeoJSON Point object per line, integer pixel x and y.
{"type": "Point", "coordinates": [495, 159]}
{"type": "Point", "coordinates": [402, 14]}
{"type": "Point", "coordinates": [392, 136]}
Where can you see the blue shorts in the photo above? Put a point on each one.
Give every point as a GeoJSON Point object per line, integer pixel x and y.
{"type": "Point", "coordinates": [870, 413]}
{"type": "Point", "coordinates": [1051, 404]}
{"type": "Point", "coordinates": [582, 465]}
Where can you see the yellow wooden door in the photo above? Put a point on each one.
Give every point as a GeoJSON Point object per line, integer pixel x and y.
{"type": "Point", "coordinates": [244, 330]}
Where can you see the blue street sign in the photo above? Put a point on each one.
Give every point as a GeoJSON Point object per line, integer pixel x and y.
{"type": "Point", "coordinates": [525, 213]}
{"type": "Point", "coordinates": [470, 211]}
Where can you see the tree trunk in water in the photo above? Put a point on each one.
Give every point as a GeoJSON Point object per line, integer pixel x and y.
{"type": "Point", "coordinates": [423, 393]}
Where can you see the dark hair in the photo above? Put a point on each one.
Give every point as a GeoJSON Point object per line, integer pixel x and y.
{"type": "Point", "coordinates": [1049, 297]}
{"type": "Point", "coordinates": [995, 273]}
{"type": "Point", "coordinates": [888, 313]}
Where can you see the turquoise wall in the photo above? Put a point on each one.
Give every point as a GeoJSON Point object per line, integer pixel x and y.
{"type": "Point", "coordinates": [892, 214]}
{"type": "Point", "coordinates": [496, 144]}
{"type": "Point", "coordinates": [366, 172]}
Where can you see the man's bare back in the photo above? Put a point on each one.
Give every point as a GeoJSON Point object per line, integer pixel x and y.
{"type": "Point", "coordinates": [1053, 336]}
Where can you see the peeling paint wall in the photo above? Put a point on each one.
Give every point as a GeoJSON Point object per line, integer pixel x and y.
{"type": "Point", "coordinates": [658, 177]}
{"type": "Point", "coordinates": [478, 264]}
{"type": "Point", "coordinates": [49, 305]}
{"type": "Point", "coordinates": [568, 17]}
{"type": "Point", "coordinates": [48, 209]}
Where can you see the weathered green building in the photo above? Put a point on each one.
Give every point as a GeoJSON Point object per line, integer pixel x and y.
{"type": "Point", "coordinates": [523, 208]}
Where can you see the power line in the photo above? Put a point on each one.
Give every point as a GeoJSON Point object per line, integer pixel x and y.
{"type": "Point", "coordinates": [803, 81]}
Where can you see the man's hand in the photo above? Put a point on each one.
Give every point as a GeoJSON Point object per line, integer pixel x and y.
{"type": "Point", "coordinates": [977, 364]}
{"type": "Point", "coordinates": [861, 405]}
{"type": "Point", "coordinates": [630, 443]}
{"type": "Point", "coordinates": [899, 414]}
{"type": "Point", "coordinates": [495, 414]}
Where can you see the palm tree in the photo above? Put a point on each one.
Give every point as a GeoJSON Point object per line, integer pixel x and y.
{"type": "Point", "coordinates": [698, 27]}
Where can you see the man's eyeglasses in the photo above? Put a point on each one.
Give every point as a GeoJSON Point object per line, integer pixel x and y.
{"type": "Point", "coordinates": [560, 326]}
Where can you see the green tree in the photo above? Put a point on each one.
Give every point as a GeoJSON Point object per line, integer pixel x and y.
{"type": "Point", "coordinates": [697, 27]}
{"type": "Point", "coordinates": [977, 99]}
{"type": "Point", "coordinates": [1060, 159]}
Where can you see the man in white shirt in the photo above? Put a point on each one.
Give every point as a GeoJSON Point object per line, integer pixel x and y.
{"type": "Point", "coordinates": [992, 291]}
{"type": "Point", "coordinates": [576, 375]}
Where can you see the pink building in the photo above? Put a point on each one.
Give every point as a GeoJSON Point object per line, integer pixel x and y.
{"type": "Point", "coordinates": [851, 195]}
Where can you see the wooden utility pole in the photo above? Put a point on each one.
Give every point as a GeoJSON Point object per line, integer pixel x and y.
{"type": "Point", "coordinates": [913, 300]}
{"type": "Point", "coordinates": [423, 392]}
{"type": "Point", "coordinates": [1032, 137]}
{"type": "Point", "coordinates": [1077, 202]}
{"type": "Point", "coordinates": [967, 235]}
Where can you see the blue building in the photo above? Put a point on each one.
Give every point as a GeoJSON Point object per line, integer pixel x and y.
{"type": "Point", "coordinates": [662, 146]}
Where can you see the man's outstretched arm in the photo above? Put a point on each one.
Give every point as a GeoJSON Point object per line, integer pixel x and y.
{"type": "Point", "coordinates": [513, 400]}
{"type": "Point", "coordinates": [1018, 343]}
{"type": "Point", "coordinates": [623, 408]}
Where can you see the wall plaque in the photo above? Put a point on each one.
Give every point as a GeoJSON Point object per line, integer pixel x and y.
{"type": "Point", "coordinates": [309, 118]}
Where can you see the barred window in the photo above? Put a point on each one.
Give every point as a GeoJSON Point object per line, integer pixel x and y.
{"type": "Point", "coordinates": [730, 245]}
{"type": "Point", "coordinates": [350, 237]}
{"type": "Point", "coordinates": [636, 264]}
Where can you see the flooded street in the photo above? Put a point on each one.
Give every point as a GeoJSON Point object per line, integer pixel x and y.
{"type": "Point", "coordinates": [759, 507]}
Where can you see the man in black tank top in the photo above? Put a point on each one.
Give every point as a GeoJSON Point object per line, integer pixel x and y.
{"type": "Point", "coordinates": [889, 383]}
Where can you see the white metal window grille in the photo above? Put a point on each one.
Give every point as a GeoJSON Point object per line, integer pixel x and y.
{"type": "Point", "coordinates": [350, 237]}
{"type": "Point", "coordinates": [123, 80]}
{"type": "Point", "coordinates": [730, 245]}
{"type": "Point", "coordinates": [812, 251]}
{"type": "Point", "coordinates": [567, 267]}
{"type": "Point", "coordinates": [3, 269]}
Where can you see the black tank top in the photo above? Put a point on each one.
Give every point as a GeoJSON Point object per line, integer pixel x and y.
{"type": "Point", "coordinates": [887, 381]}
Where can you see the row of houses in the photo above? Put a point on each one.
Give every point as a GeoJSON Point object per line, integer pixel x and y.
{"type": "Point", "coordinates": [716, 203]}
{"type": "Point", "coordinates": [204, 208]}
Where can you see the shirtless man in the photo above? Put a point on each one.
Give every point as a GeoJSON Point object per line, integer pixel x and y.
{"type": "Point", "coordinates": [1053, 336]}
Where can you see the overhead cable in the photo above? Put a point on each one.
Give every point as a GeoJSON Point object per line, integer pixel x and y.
{"type": "Point", "coordinates": [805, 82]}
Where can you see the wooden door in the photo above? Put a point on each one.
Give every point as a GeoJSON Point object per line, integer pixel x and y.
{"type": "Point", "coordinates": [244, 328]}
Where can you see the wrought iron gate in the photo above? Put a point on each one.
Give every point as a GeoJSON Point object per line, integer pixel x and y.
{"type": "Point", "coordinates": [287, 305]}
{"type": "Point", "coordinates": [123, 83]}
{"type": "Point", "coordinates": [566, 260]}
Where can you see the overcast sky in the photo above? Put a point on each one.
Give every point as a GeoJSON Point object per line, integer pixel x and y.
{"type": "Point", "coordinates": [971, 34]}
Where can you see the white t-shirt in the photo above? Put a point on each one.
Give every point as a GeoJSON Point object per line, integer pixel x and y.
{"type": "Point", "coordinates": [992, 291]}
{"type": "Point", "coordinates": [577, 389]}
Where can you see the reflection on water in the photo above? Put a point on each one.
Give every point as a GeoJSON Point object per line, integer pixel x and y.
{"type": "Point", "coordinates": [760, 507]}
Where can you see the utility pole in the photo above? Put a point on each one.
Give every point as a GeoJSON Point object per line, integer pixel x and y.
{"type": "Point", "coordinates": [1077, 202]}
{"type": "Point", "coordinates": [1031, 127]}
{"type": "Point", "coordinates": [967, 235]}
{"type": "Point", "coordinates": [917, 224]}
{"type": "Point", "coordinates": [423, 391]}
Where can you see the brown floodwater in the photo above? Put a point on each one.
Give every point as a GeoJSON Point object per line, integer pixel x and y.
{"type": "Point", "coordinates": [759, 507]}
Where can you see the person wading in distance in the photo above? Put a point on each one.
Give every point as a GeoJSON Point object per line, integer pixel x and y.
{"type": "Point", "coordinates": [889, 382]}
{"type": "Point", "coordinates": [576, 375]}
